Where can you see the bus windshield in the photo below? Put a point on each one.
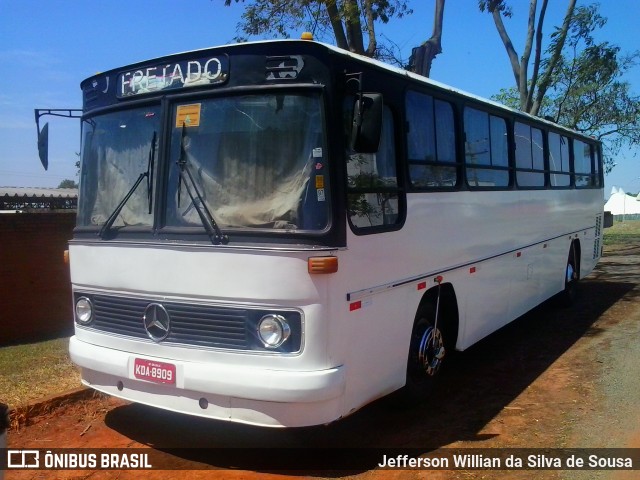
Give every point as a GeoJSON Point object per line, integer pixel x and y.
{"type": "Point", "coordinates": [256, 161]}
{"type": "Point", "coordinates": [116, 149]}
{"type": "Point", "coordinates": [252, 158]}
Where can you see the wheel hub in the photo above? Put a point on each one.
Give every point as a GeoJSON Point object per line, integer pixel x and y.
{"type": "Point", "coordinates": [431, 350]}
{"type": "Point", "coordinates": [570, 273]}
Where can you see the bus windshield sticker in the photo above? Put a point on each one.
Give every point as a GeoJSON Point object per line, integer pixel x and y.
{"type": "Point", "coordinates": [170, 76]}
{"type": "Point", "coordinates": [188, 115]}
{"type": "Point", "coordinates": [317, 152]}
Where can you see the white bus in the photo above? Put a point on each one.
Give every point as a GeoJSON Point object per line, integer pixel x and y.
{"type": "Point", "coordinates": [278, 233]}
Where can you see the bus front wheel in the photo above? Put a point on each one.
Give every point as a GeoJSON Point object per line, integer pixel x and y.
{"type": "Point", "coordinates": [426, 355]}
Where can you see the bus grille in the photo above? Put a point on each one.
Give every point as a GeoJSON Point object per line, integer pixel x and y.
{"type": "Point", "coordinates": [191, 324]}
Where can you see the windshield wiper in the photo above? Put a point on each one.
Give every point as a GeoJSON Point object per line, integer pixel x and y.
{"type": "Point", "coordinates": [149, 176]}
{"type": "Point", "coordinates": [213, 231]}
{"type": "Point", "coordinates": [152, 158]}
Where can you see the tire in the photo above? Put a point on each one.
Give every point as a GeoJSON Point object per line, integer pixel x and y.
{"type": "Point", "coordinates": [426, 355]}
{"type": "Point", "coordinates": [568, 295]}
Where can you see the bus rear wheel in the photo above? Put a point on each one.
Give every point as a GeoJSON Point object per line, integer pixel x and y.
{"type": "Point", "coordinates": [568, 295]}
{"type": "Point", "coordinates": [426, 355]}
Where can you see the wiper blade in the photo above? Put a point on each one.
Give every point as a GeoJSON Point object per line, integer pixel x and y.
{"type": "Point", "coordinates": [213, 231]}
{"type": "Point", "coordinates": [152, 158]}
{"type": "Point", "coordinates": [148, 175]}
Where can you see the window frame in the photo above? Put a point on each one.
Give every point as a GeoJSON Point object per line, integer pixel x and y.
{"type": "Point", "coordinates": [589, 175]}
{"type": "Point", "coordinates": [490, 115]}
{"type": "Point", "coordinates": [562, 172]}
{"type": "Point", "coordinates": [456, 165]}
{"type": "Point", "coordinates": [518, 169]}
{"type": "Point", "coordinates": [397, 190]}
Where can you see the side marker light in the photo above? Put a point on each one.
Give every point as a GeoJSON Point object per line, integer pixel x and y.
{"type": "Point", "coordinates": [320, 265]}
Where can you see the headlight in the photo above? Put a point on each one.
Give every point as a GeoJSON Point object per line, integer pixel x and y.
{"type": "Point", "coordinates": [273, 330]}
{"type": "Point", "coordinates": [84, 310]}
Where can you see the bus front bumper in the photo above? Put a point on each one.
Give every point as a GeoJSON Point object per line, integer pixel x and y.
{"type": "Point", "coordinates": [246, 395]}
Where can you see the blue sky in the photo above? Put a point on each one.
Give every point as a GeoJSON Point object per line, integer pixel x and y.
{"type": "Point", "coordinates": [48, 47]}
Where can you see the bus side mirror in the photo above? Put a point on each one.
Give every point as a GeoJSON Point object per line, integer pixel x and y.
{"type": "Point", "coordinates": [367, 123]}
{"type": "Point", "coordinates": [43, 146]}
{"type": "Point", "coordinates": [43, 134]}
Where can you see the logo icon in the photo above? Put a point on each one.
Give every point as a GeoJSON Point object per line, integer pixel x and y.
{"type": "Point", "coordinates": [157, 322]}
{"type": "Point", "coordinates": [23, 458]}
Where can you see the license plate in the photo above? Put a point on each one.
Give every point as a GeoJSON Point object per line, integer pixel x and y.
{"type": "Point", "coordinates": [157, 372]}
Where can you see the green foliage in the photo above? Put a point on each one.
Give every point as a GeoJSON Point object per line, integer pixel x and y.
{"type": "Point", "coordinates": [68, 184]}
{"type": "Point", "coordinates": [588, 92]}
{"type": "Point", "coordinates": [343, 22]}
{"type": "Point", "coordinates": [491, 5]}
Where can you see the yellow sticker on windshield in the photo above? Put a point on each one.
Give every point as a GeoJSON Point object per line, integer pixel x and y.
{"type": "Point", "coordinates": [188, 115]}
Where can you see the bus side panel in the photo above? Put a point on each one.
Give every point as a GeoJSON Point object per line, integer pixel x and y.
{"type": "Point", "coordinates": [378, 326]}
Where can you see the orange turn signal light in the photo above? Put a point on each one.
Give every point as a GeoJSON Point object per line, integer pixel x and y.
{"type": "Point", "coordinates": [323, 264]}
{"type": "Point", "coordinates": [66, 257]}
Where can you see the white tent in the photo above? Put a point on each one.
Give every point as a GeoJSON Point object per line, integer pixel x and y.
{"type": "Point", "coordinates": [622, 204]}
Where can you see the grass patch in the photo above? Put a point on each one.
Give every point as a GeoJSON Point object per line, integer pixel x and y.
{"type": "Point", "coordinates": [36, 370]}
{"type": "Point", "coordinates": [623, 234]}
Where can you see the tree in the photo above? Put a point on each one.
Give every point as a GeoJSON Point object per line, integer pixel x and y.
{"type": "Point", "coordinates": [531, 90]}
{"type": "Point", "coordinates": [350, 24]}
{"type": "Point", "coordinates": [422, 57]}
{"type": "Point", "coordinates": [68, 184]}
{"type": "Point", "coordinates": [585, 89]}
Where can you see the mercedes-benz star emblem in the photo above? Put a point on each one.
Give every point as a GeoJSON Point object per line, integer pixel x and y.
{"type": "Point", "coordinates": [157, 322]}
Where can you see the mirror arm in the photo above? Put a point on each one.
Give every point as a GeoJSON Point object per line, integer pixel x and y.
{"type": "Point", "coordinates": [43, 133]}
{"type": "Point", "coordinates": [357, 77]}
{"type": "Point", "coordinates": [56, 112]}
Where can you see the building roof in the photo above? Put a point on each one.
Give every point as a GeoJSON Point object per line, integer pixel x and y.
{"type": "Point", "coordinates": [35, 192]}
{"type": "Point", "coordinates": [29, 199]}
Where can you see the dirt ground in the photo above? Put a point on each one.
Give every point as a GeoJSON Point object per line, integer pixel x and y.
{"type": "Point", "coordinates": [555, 378]}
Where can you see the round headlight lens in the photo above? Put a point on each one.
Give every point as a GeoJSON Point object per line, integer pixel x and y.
{"type": "Point", "coordinates": [84, 310]}
{"type": "Point", "coordinates": [273, 330]}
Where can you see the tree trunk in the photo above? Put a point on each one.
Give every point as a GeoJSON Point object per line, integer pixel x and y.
{"type": "Point", "coordinates": [422, 56]}
{"type": "Point", "coordinates": [531, 94]}
{"type": "Point", "coordinates": [545, 80]}
{"type": "Point", "coordinates": [353, 26]}
{"type": "Point", "coordinates": [373, 44]}
{"type": "Point", "coordinates": [336, 24]}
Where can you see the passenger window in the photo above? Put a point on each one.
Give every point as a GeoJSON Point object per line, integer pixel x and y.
{"type": "Point", "coordinates": [373, 194]}
{"type": "Point", "coordinates": [486, 150]}
{"type": "Point", "coordinates": [560, 172]}
{"type": "Point", "coordinates": [582, 164]}
{"type": "Point", "coordinates": [529, 156]}
{"type": "Point", "coordinates": [430, 142]}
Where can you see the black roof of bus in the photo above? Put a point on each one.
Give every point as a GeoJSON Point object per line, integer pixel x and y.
{"type": "Point", "coordinates": [327, 48]}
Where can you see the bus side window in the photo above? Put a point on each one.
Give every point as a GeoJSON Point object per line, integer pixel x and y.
{"type": "Point", "coordinates": [486, 150]}
{"type": "Point", "coordinates": [597, 167]}
{"type": "Point", "coordinates": [582, 153]}
{"type": "Point", "coordinates": [559, 160]}
{"type": "Point", "coordinates": [529, 156]}
{"type": "Point", "coordinates": [430, 142]}
{"type": "Point", "coordinates": [372, 181]}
